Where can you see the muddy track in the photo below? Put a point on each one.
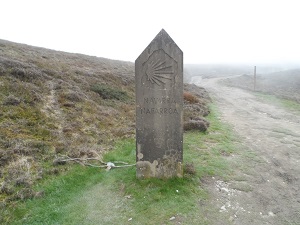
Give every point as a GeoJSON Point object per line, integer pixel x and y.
{"type": "Point", "coordinates": [265, 188]}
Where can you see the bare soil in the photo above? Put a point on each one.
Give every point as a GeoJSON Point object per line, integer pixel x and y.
{"type": "Point", "coordinates": [265, 185]}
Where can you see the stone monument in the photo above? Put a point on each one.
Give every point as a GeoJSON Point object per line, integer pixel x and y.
{"type": "Point", "coordinates": [159, 114]}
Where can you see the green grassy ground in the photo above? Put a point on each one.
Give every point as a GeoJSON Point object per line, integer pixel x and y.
{"type": "Point", "coordinates": [286, 103]}
{"type": "Point", "coordinates": [86, 195]}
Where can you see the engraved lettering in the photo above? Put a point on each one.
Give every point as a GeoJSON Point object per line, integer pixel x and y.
{"type": "Point", "coordinates": [156, 101]}
{"type": "Point", "coordinates": [159, 111]}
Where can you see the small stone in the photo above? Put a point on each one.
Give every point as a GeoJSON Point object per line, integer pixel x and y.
{"type": "Point", "coordinates": [129, 219]}
{"type": "Point", "coordinates": [271, 214]}
{"type": "Point", "coordinates": [110, 164]}
{"type": "Point", "coordinates": [223, 208]}
{"type": "Point", "coordinates": [172, 218]}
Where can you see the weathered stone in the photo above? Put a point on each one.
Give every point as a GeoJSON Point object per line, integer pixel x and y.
{"type": "Point", "coordinates": [159, 103]}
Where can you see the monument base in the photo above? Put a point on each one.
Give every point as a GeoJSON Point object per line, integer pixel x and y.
{"type": "Point", "coordinates": [165, 168]}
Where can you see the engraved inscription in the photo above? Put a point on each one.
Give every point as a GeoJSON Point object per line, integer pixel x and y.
{"type": "Point", "coordinates": [164, 105]}
{"type": "Point", "coordinates": [159, 100]}
{"type": "Point", "coordinates": [159, 70]}
{"type": "Point", "coordinates": [159, 111]}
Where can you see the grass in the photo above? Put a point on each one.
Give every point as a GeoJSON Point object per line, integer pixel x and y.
{"type": "Point", "coordinates": [107, 92]}
{"type": "Point", "coordinates": [47, 108]}
{"type": "Point", "coordinates": [93, 196]}
{"type": "Point", "coordinates": [286, 103]}
{"type": "Point", "coordinates": [58, 191]}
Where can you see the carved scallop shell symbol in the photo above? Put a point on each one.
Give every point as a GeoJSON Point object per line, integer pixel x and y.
{"type": "Point", "coordinates": [159, 73]}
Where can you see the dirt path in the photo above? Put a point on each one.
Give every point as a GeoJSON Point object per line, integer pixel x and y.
{"type": "Point", "coordinates": [266, 186]}
{"type": "Point", "coordinates": [52, 110]}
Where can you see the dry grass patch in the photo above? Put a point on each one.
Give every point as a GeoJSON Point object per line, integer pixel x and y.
{"type": "Point", "coordinates": [190, 98]}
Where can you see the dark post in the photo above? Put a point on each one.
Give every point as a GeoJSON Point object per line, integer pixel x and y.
{"type": "Point", "coordinates": [254, 78]}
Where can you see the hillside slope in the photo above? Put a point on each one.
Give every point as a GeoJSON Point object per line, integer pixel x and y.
{"type": "Point", "coordinates": [55, 103]}
{"type": "Point", "coordinates": [58, 103]}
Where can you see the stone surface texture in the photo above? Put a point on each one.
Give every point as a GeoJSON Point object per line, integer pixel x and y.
{"type": "Point", "coordinates": [159, 104]}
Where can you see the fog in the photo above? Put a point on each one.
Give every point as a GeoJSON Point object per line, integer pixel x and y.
{"type": "Point", "coordinates": [226, 70]}
{"type": "Point", "coordinates": [281, 80]}
{"type": "Point", "coordinates": [214, 32]}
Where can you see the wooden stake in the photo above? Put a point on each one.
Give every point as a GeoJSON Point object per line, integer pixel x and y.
{"type": "Point", "coordinates": [254, 78]}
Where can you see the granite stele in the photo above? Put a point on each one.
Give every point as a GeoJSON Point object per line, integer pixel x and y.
{"type": "Point", "coordinates": [159, 103]}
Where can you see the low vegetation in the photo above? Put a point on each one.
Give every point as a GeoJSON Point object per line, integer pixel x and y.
{"type": "Point", "coordinates": [195, 108]}
{"type": "Point", "coordinates": [285, 103]}
{"type": "Point", "coordinates": [85, 195]}
{"type": "Point", "coordinates": [190, 98]}
{"type": "Point", "coordinates": [107, 92]}
{"type": "Point", "coordinates": [57, 104]}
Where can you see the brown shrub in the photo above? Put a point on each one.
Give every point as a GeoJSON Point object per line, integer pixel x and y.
{"type": "Point", "coordinates": [190, 98]}
{"type": "Point", "coordinates": [11, 100]}
{"type": "Point", "coordinates": [189, 168]}
{"type": "Point", "coordinates": [203, 120]}
{"type": "Point", "coordinates": [5, 157]}
{"type": "Point", "coordinates": [23, 194]}
{"type": "Point", "coordinates": [2, 71]}
{"type": "Point", "coordinates": [200, 125]}
{"type": "Point", "coordinates": [195, 110]}
{"type": "Point", "coordinates": [69, 104]}
{"type": "Point", "coordinates": [72, 96]}
{"type": "Point", "coordinates": [6, 188]}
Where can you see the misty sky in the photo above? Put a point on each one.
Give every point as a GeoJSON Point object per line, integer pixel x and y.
{"type": "Point", "coordinates": [208, 31]}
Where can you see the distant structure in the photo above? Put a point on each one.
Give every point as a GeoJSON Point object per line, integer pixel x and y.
{"type": "Point", "coordinates": [254, 83]}
{"type": "Point", "coordinates": [159, 114]}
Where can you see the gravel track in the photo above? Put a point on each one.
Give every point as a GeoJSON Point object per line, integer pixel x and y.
{"type": "Point", "coordinates": [266, 186]}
